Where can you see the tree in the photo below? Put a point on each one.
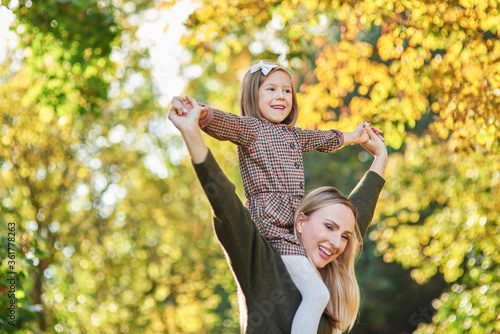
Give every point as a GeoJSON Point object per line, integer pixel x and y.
{"type": "Point", "coordinates": [109, 237]}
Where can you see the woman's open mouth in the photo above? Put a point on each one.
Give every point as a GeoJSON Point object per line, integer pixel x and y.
{"type": "Point", "coordinates": [324, 252]}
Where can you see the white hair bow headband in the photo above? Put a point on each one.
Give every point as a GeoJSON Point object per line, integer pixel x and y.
{"type": "Point", "coordinates": [265, 68]}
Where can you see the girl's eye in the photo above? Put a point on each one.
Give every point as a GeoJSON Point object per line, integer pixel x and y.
{"type": "Point", "coordinates": [329, 227]}
{"type": "Point", "coordinates": [345, 237]}
{"type": "Point", "coordinates": [288, 91]}
{"type": "Point", "coordinates": [271, 89]}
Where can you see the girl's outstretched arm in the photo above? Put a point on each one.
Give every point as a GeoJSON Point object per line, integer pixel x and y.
{"type": "Point", "coordinates": [187, 123]}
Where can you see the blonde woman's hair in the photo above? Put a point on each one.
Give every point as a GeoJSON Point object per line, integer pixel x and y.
{"type": "Point", "coordinates": [338, 275]}
{"type": "Point", "coordinates": [249, 95]}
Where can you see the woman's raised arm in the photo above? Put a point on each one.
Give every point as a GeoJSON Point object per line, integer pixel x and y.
{"type": "Point", "coordinates": [365, 195]}
{"type": "Point", "coordinates": [187, 123]}
{"type": "Point", "coordinates": [377, 148]}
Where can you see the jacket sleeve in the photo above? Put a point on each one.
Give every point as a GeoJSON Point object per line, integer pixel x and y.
{"type": "Point", "coordinates": [240, 130]}
{"type": "Point", "coordinates": [364, 197]}
{"type": "Point", "coordinates": [247, 252]}
{"type": "Point", "coordinates": [319, 140]}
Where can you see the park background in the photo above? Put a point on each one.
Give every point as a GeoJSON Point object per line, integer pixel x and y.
{"type": "Point", "coordinates": [113, 232]}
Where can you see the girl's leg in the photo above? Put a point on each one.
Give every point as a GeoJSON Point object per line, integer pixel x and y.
{"type": "Point", "coordinates": [315, 294]}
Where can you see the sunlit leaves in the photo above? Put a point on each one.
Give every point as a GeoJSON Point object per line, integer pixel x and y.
{"type": "Point", "coordinates": [73, 73]}
{"type": "Point", "coordinates": [36, 176]}
{"type": "Point", "coordinates": [112, 238]}
{"type": "Point", "coordinates": [476, 302]}
{"type": "Point", "coordinates": [468, 107]}
{"type": "Point", "coordinates": [442, 214]}
{"type": "Point", "coordinates": [453, 193]}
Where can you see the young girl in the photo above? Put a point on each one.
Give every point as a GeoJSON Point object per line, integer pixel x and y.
{"type": "Point", "coordinates": [270, 150]}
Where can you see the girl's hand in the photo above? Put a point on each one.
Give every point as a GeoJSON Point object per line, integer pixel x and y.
{"type": "Point", "coordinates": [179, 106]}
{"type": "Point", "coordinates": [358, 136]}
{"type": "Point", "coordinates": [184, 113]}
{"type": "Point", "coordinates": [187, 123]}
{"type": "Point", "coordinates": [375, 144]}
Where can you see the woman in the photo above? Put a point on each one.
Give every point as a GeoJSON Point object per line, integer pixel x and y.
{"type": "Point", "coordinates": [268, 297]}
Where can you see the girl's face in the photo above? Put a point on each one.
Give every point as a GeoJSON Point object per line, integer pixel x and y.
{"type": "Point", "coordinates": [326, 232]}
{"type": "Point", "coordinates": [275, 97]}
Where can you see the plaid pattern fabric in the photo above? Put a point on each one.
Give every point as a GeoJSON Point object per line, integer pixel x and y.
{"type": "Point", "coordinates": [271, 168]}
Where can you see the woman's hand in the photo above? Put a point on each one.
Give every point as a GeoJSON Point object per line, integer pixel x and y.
{"type": "Point", "coordinates": [185, 114]}
{"type": "Point", "coordinates": [377, 148]}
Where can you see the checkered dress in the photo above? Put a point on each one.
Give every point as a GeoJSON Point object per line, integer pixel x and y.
{"type": "Point", "coordinates": [271, 168]}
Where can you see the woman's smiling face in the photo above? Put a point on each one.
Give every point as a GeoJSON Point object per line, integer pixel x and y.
{"type": "Point", "coordinates": [326, 232]}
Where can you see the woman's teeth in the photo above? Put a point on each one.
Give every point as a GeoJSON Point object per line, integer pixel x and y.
{"type": "Point", "coordinates": [325, 251]}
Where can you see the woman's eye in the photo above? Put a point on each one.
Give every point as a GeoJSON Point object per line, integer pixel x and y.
{"type": "Point", "coordinates": [345, 237]}
{"type": "Point", "coordinates": [329, 227]}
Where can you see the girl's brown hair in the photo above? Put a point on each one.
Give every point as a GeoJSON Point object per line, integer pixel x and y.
{"type": "Point", "coordinates": [338, 275]}
{"type": "Point", "coordinates": [249, 95]}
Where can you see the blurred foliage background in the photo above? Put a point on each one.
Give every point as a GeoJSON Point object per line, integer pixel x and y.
{"type": "Point", "coordinates": [112, 228]}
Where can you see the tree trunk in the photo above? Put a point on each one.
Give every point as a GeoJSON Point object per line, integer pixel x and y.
{"type": "Point", "coordinates": [37, 294]}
